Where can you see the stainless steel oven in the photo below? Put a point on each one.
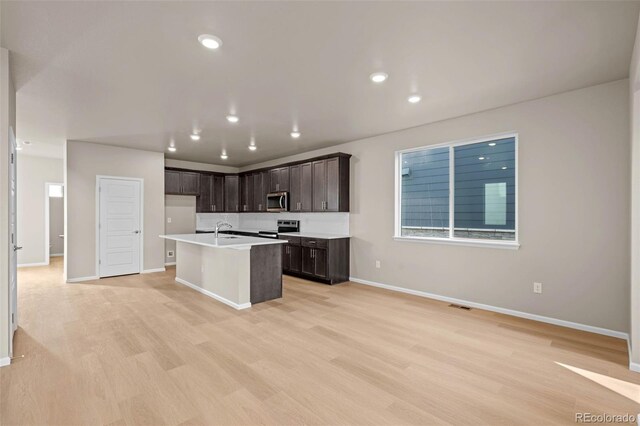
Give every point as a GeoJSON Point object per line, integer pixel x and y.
{"type": "Point", "coordinates": [278, 202]}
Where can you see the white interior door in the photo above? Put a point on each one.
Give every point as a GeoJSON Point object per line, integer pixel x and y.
{"type": "Point", "coordinates": [120, 230]}
{"type": "Point", "coordinates": [13, 249]}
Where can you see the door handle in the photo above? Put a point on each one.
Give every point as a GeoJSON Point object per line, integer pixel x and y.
{"type": "Point", "coordinates": [136, 232]}
{"type": "Point", "coordinates": [16, 248]}
{"type": "Point", "coordinates": [282, 202]}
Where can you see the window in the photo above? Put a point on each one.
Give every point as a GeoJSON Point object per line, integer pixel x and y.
{"type": "Point", "coordinates": [471, 185]}
{"type": "Point", "coordinates": [56, 191]}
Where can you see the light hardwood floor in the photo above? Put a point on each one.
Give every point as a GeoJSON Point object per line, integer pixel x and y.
{"type": "Point", "coordinates": [144, 350]}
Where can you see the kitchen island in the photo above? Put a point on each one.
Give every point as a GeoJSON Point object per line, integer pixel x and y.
{"type": "Point", "coordinates": [234, 270]}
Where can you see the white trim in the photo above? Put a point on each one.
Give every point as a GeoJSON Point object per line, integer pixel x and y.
{"type": "Point", "coordinates": [47, 213]}
{"type": "Point", "coordinates": [170, 264]}
{"type": "Point", "coordinates": [97, 223]}
{"type": "Point", "coordinates": [634, 366]}
{"type": "Point", "coordinates": [29, 265]}
{"type": "Point", "coordinates": [5, 361]}
{"type": "Point", "coordinates": [213, 295]}
{"type": "Point", "coordinates": [451, 239]}
{"type": "Point", "coordinates": [508, 245]}
{"type": "Point", "coordinates": [82, 279]}
{"type": "Point", "coordinates": [526, 315]}
{"type": "Point", "coordinates": [56, 255]}
{"type": "Point", "coordinates": [150, 271]}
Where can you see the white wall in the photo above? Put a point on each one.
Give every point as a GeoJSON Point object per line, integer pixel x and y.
{"type": "Point", "coordinates": [33, 173]}
{"type": "Point", "coordinates": [574, 179]}
{"type": "Point", "coordinates": [7, 121]}
{"type": "Point", "coordinates": [83, 162]}
{"type": "Point", "coordinates": [181, 209]}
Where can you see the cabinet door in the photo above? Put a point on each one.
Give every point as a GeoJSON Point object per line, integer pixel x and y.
{"type": "Point", "coordinates": [294, 188]}
{"type": "Point", "coordinates": [274, 178]}
{"type": "Point", "coordinates": [286, 257]}
{"type": "Point", "coordinates": [332, 200]}
{"type": "Point", "coordinates": [283, 179]}
{"type": "Point", "coordinates": [265, 189]}
{"type": "Point", "coordinates": [171, 182]}
{"type": "Point", "coordinates": [190, 183]}
{"type": "Point", "coordinates": [231, 193]}
{"type": "Point", "coordinates": [320, 263]}
{"type": "Point", "coordinates": [258, 202]}
{"type": "Point", "coordinates": [205, 204]}
{"type": "Point", "coordinates": [306, 187]}
{"type": "Point", "coordinates": [246, 193]}
{"type": "Point", "coordinates": [308, 267]}
{"type": "Point", "coordinates": [217, 193]}
{"type": "Point", "coordinates": [319, 185]}
{"type": "Point", "coordinates": [295, 258]}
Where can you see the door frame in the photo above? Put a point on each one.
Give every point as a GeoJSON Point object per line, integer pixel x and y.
{"type": "Point", "coordinates": [47, 239]}
{"type": "Point", "coordinates": [98, 179]}
{"type": "Point", "coordinates": [13, 295]}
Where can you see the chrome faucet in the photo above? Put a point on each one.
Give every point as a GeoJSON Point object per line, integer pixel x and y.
{"type": "Point", "coordinates": [220, 225]}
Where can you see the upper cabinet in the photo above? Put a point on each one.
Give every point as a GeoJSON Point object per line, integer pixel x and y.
{"type": "Point", "coordinates": [279, 179]}
{"type": "Point", "coordinates": [316, 185]}
{"type": "Point", "coordinates": [232, 193]}
{"type": "Point", "coordinates": [331, 184]}
{"type": "Point", "coordinates": [181, 182]}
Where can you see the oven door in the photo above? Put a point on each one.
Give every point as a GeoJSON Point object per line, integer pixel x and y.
{"type": "Point", "coordinates": [277, 202]}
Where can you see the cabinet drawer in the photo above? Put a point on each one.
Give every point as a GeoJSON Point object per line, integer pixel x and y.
{"type": "Point", "coordinates": [313, 242]}
{"type": "Point", "coordinates": [293, 241]}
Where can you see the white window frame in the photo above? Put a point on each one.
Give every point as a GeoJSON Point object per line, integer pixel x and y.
{"type": "Point", "coordinates": [514, 245]}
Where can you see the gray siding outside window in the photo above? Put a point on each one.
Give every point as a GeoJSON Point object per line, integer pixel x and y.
{"type": "Point", "coordinates": [484, 187]}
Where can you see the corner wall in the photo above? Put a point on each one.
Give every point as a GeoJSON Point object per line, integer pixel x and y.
{"type": "Point", "coordinates": [574, 211]}
{"type": "Point", "coordinates": [84, 161]}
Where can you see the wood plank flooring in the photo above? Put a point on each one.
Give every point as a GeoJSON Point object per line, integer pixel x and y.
{"type": "Point", "coordinates": [143, 349]}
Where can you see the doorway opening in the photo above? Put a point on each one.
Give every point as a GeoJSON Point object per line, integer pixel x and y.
{"type": "Point", "coordinates": [53, 220]}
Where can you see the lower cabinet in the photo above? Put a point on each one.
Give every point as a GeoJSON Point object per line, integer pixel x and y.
{"type": "Point", "coordinates": [317, 259]}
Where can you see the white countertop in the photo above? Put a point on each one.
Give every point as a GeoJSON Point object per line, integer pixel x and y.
{"type": "Point", "coordinates": [290, 234]}
{"type": "Point", "coordinates": [223, 241]}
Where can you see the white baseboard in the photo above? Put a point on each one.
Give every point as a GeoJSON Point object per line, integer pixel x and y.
{"type": "Point", "coordinates": [548, 320]}
{"type": "Point", "coordinates": [28, 265]}
{"type": "Point", "coordinates": [81, 279]}
{"type": "Point", "coordinates": [633, 366]}
{"type": "Point", "coordinates": [170, 264]}
{"type": "Point", "coordinates": [150, 271]}
{"type": "Point", "coordinates": [213, 295]}
{"type": "Point", "coordinates": [56, 255]}
{"type": "Point", "coordinates": [5, 361]}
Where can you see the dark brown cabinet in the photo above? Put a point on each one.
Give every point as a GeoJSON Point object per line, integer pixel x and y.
{"type": "Point", "coordinates": [301, 187]}
{"type": "Point", "coordinates": [211, 196]}
{"type": "Point", "coordinates": [181, 182]}
{"type": "Point", "coordinates": [246, 193]}
{"type": "Point", "coordinates": [260, 191]}
{"type": "Point", "coordinates": [232, 193]}
{"type": "Point", "coordinates": [331, 185]}
{"type": "Point", "coordinates": [279, 179]}
{"type": "Point", "coordinates": [317, 259]}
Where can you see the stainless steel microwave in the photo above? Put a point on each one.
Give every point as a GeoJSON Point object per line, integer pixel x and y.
{"type": "Point", "coordinates": [278, 202]}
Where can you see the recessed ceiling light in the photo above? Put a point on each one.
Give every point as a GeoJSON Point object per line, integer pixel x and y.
{"type": "Point", "coordinates": [414, 99]}
{"type": "Point", "coordinates": [209, 41]}
{"type": "Point", "coordinates": [224, 155]}
{"type": "Point", "coordinates": [480, 158]}
{"type": "Point", "coordinates": [252, 147]}
{"type": "Point", "coordinates": [172, 149]}
{"type": "Point", "coordinates": [195, 137]}
{"type": "Point", "coordinates": [232, 118]}
{"type": "Point", "coordinates": [295, 134]}
{"type": "Point", "coordinates": [378, 77]}
{"type": "Point", "coordinates": [492, 144]}
{"type": "Point", "coordinates": [504, 167]}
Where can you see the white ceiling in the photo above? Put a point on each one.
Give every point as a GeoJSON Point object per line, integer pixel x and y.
{"type": "Point", "coordinates": [133, 74]}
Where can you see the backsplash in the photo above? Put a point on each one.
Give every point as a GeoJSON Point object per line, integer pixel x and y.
{"type": "Point", "coordinates": [326, 223]}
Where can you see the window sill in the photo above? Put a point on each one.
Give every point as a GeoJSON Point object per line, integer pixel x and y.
{"type": "Point", "coordinates": [508, 245]}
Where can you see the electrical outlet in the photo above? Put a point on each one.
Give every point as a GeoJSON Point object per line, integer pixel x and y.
{"type": "Point", "coordinates": [168, 220]}
{"type": "Point", "coordinates": [537, 288]}
{"type": "Point", "coordinates": [170, 253]}
{"type": "Point", "coordinates": [378, 264]}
